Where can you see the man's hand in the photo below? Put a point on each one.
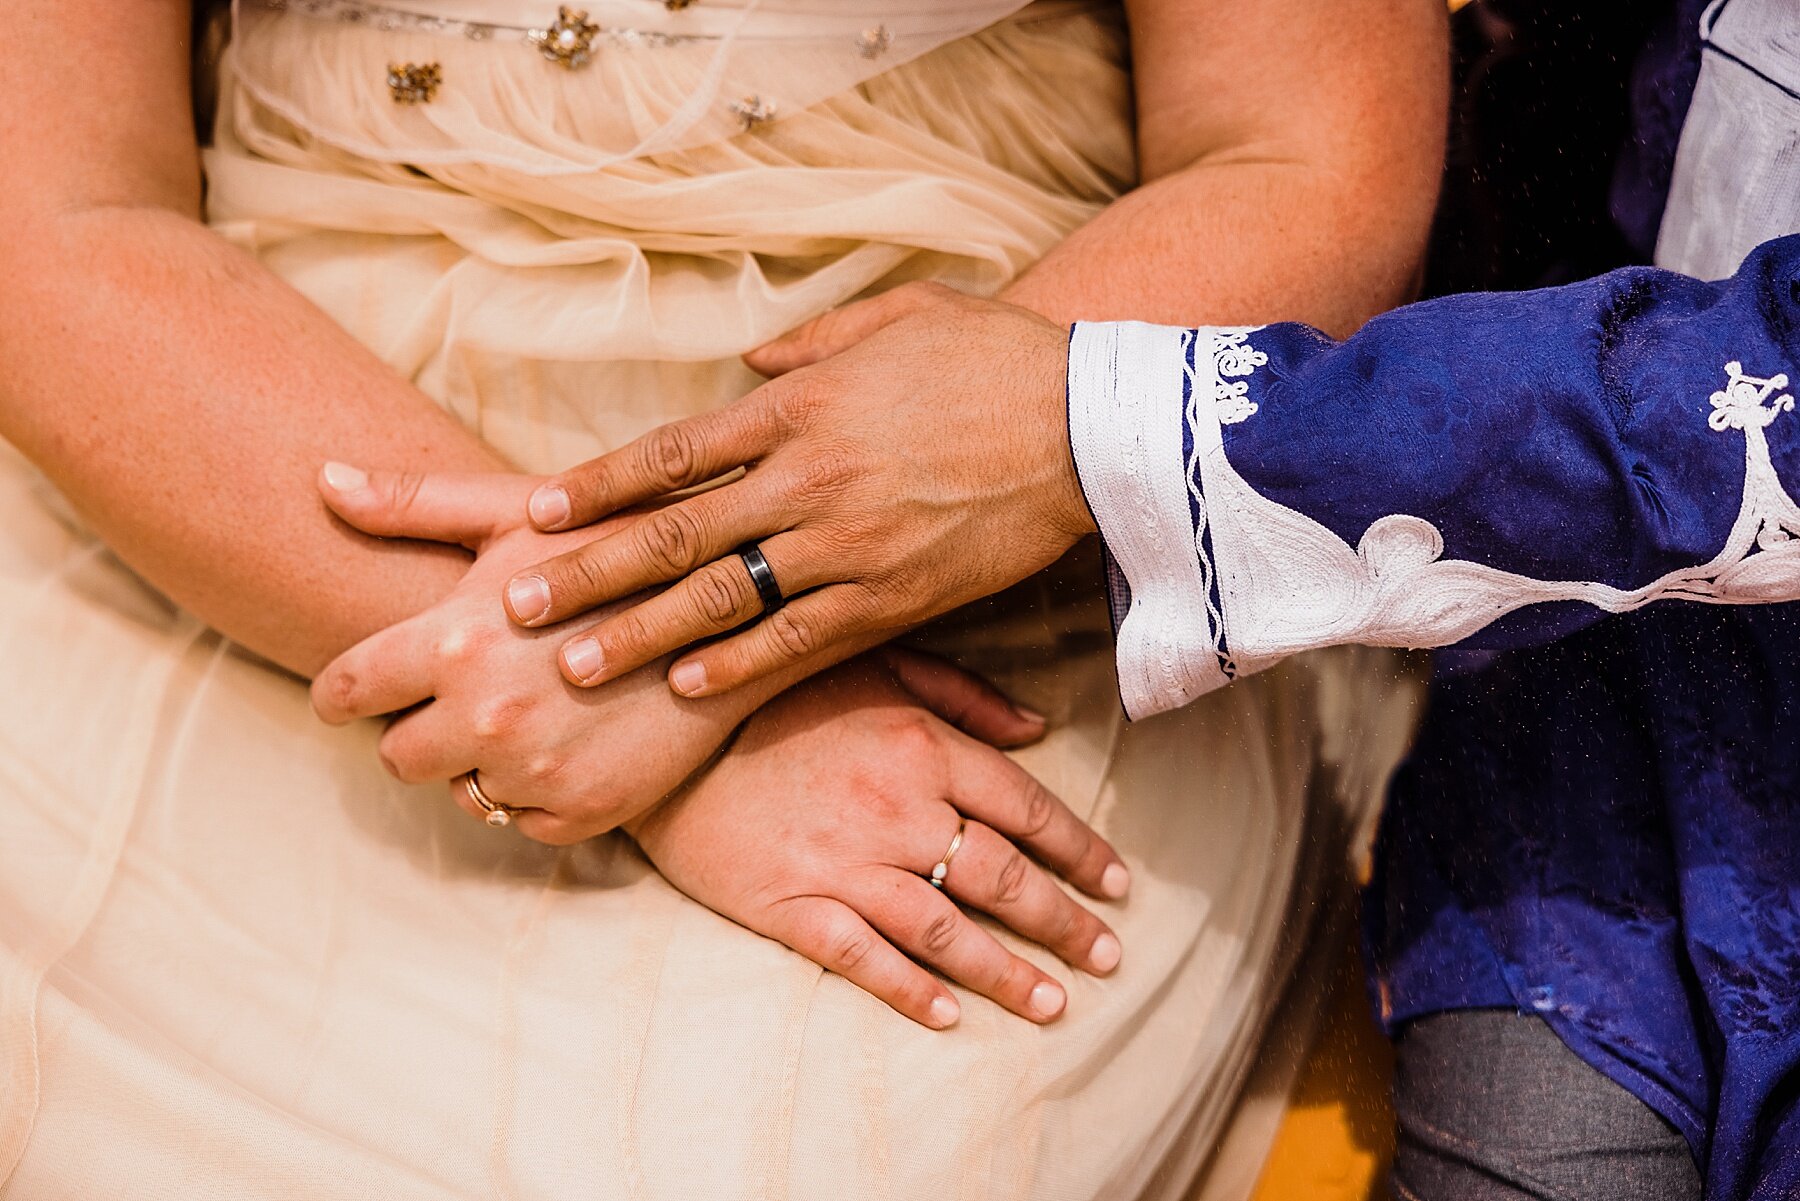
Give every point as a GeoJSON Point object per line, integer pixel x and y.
{"type": "Point", "coordinates": [915, 459]}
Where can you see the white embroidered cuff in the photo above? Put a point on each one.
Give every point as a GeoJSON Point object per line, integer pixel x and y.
{"type": "Point", "coordinates": [1129, 392]}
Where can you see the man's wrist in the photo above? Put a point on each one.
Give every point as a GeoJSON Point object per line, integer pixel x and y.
{"type": "Point", "coordinates": [1070, 513]}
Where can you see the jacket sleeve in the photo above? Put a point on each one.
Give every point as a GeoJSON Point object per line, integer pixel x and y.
{"type": "Point", "coordinates": [1553, 456]}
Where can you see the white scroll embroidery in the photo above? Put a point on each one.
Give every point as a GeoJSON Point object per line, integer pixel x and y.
{"type": "Point", "coordinates": [1232, 355]}
{"type": "Point", "coordinates": [1288, 583]}
{"type": "Point", "coordinates": [1227, 352]}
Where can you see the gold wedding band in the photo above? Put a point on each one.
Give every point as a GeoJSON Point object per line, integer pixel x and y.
{"type": "Point", "coordinates": [943, 865]}
{"type": "Point", "coordinates": [498, 815]}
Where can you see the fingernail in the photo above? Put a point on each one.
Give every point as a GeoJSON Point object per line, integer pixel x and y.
{"type": "Point", "coordinates": [1103, 956]}
{"type": "Point", "coordinates": [583, 658]}
{"type": "Point", "coordinates": [688, 678]}
{"type": "Point", "coordinates": [549, 507]}
{"type": "Point", "coordinates": [944, 1012]}
{"type": "Point", "coordinates": [1030, 715]}
{"type": "Point", "coordinates": [1047, 1000]}
{"type": "Point", "coordinates": [1115, 881]}
{"type": "Point", "coordinates": [344, 478]}
{"type": "Point", "coordinates": [528, 596]}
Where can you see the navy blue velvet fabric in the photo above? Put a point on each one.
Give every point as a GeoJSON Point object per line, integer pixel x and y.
{"type": "Point", "coordinates": [1601, 822]}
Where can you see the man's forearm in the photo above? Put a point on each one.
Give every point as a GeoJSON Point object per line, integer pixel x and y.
{"type": "Point", "coordinates": [184, 399]}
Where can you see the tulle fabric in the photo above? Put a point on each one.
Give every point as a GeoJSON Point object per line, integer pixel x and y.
{"type": "Point", "coordinates": [237, 960]}
{"type": "Point", "coordinates": [666, 80]}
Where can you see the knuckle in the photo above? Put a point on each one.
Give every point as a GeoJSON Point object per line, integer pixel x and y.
{"type": "Point", "coordinates": [793, 635]}
{"type": "Point", "coordinates": [1094, 858]}
{"type": "Point", "coordinates": [911, 736]}
{"type": "Point", "coordinates": [395, 765]}
{"type": "Point", "coordinates": [1038, 809]}
{"type": "Point", "coordinates": [1013, 977]}
{"type": "Point", "coordinates": [456, 644]}
{"type": "Point", "coordinates": [335, 692]}
{"type": "Point", "coordinates": [825, 471]}
{"type": "Point", "coordinates": [400, 763]}
{"type": "Point", "coordinates": [403, 491]}
{"type": "Point", "coordinates": [672, 540]}
{"type": "Point", "coordinates": [941, 932]}
{"type": "Point", "coordinates": [464, 643]}
{"type": "Point", "coordinates": [500, 717]}
{"type": "Point", "coordinates": [578, 575]}
{"type": "Point", "coordinates": [669, 456]}
{"type": "Point", "coordinates": [799, 398]}
{"type": "Point", "coordinates": [849, 950]}
{"type": "Point", "coordinates": [915, 994]}
{"type": "Point", "coordinates": [544, 769]}
{"type": "Point", "coordinates": [717, 599]}
{"type": "Point", "coordinates": [1071, 919]}
{"type": "Point", "coordinates": [405, 770]}
{"type": "Point", "coordinates": [625, 634]}
{"type": "Point", "coordinates": [1015, 874]}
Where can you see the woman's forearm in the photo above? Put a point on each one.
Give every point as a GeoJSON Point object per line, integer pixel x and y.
{"type": "Point", "coordinates": [1290, 154]}
{"type": "Point", "coordinates": [1234, 244]}
{"type": "Point", "coordinates": [184, 399]}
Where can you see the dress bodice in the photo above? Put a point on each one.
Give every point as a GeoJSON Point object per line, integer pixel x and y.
{"type": "Point", "coordinates": [670, 75]}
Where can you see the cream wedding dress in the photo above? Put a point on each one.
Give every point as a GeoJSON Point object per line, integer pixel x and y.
{"type": "Point", "coordinates": [236, 960]}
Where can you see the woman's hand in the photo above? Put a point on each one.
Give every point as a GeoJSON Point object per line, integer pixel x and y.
{"type": "Point", "coordinates": [924, 467]}
{"type": "Point", "coordinates": [821, 825]}
{"type": "Point", "coordinates": [476, 692]}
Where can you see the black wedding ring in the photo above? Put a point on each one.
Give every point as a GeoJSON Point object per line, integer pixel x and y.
{"type": "Point", "coordinates": [763, 576]}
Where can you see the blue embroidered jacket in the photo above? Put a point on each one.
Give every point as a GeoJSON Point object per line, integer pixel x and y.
{"type": "Point", "coordinates": [1589, 493]}
{"type": "Point", "coordinates": [1601, 822]}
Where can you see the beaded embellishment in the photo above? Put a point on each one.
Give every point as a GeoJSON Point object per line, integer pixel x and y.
{"type": "Point", "coordinates": [414, 83]}
{"type": "Point", "coordinates": [394, 20]}
{"type": "Point", "coordinates": [568, 41]}
{"type": "Point", "coordinates": [753, 111]}
{"type": "Point", "coordinates": [873, 43]}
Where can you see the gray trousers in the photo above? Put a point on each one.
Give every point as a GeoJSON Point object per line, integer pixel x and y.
{"type": "Point", "coordinates": [1492, 1106]}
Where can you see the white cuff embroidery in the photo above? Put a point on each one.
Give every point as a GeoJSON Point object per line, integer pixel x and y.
{"type": "Point", "coordinates": [1127, 383]}
{"type": "Point", "coordinates": [1225, 582]}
